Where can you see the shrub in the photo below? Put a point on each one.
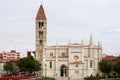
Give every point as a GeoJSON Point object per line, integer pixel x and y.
{"type": "Point", "coordinates": [89, 78]}
{"type": "Point", "coordinates": [101, 77]}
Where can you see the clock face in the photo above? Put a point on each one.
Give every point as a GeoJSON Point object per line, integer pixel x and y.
{"type": "Point", "coordinates": [76, 57]}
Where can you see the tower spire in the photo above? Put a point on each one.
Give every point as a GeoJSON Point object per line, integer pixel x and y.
{"type": "Point", "coordinates": [91, 41]}
{"type": "Point", "coordinates": [41, 33]}
{"type": "Point", "coordinates": [41, 13]}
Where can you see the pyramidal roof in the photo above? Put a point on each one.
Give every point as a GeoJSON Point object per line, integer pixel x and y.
{"type": "Point", "coordinates": [41, 14]}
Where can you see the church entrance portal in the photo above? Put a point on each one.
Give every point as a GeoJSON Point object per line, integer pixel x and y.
{"type": "Point", "coordinates": [63, 71]}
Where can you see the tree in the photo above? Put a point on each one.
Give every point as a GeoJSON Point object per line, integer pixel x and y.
{"type": "Point", "coordinates": [105, 66]}
{"type": "Point", "coordinates": [8, 66]}
{"type": "Point", "coordinates": [28, 64]}
{"type": "Point", "coordinates": [37, 65]}
{"type": "Point", "coordinates": [117, 66]}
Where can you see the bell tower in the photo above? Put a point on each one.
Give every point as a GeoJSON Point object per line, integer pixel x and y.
{"type": "Point", "coordinates": [41, 33]}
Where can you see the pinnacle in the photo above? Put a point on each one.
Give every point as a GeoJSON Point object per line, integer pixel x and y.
{"type": "Point", "coordinates": [41, 13]}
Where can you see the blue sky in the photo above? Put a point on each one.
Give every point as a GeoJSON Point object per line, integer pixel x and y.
{"type": "Point", "coordinates": [66, 19]}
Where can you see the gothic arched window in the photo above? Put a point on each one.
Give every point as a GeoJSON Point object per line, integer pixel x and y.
{"type": "Point", "coordinates": [90, 64]}
{"type": "Point", "coordinates": [63, 54]}
{"type": "Point", "coordinates": [51, 54]}
{"type": "Point", "coordinates": [50, 64]}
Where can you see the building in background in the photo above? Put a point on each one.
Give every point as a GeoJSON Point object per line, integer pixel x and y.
{"type": "Point", "coordinates": [74, 60]}
{"type": "Point", "coordinates": [31, 53]}
{"type": "Point", "coordinates": [104, 55]}
{"type": "Point", "coordinates": [11, 56]}
{"type": "Point", "coordinates": [110, 58]}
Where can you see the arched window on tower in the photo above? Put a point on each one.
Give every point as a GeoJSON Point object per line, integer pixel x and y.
{"type": "Point", "coordinates": [41, 34]}
{"type": "Point", "coordinates": [41, 42]}
{"type": "Point", "coordinates": [41, 24]}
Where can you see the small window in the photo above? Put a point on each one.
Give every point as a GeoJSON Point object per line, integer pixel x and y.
{"type": "Point", "coordinates": [45, 65]}
{"type": "Point", "coordinates": [63, 54]}
{"type": "Point", "coordinates": [40, 42]}
{"type": "Point", "coordinates": [41, 24]}
{"type": "Point", "coordinates": [51, 54]}
{"type": "Point", "coordinates": [76, 71]}
{"type": "Point", "coordinates": [50, 64]}
{"type": "Point", "coordinates": [41, 34]}
{"type": "Point", "coordinates": [76, 65]}
{"type": "Point", "coordinates": [90, 64]}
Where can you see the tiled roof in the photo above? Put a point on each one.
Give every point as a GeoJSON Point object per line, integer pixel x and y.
{"type": "Point", "coordinates": [75, 44]}
{"type": "Point", "coordinates": [110, 58]}
{"type": "Point", "coordinates": [41, 14]}
{"type": "Point", "coordinates": [72, 44]}
{"type": "Point", "coordinates": [77, 62]}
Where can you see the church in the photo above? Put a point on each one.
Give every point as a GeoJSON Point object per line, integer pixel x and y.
{"type": "Point", "coordinates": [74, 60]}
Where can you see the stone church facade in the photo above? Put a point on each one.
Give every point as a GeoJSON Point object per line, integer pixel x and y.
{"type": "Point", "coordinates": [74, 60]}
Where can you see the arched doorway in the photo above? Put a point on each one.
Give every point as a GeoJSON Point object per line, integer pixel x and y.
{"type": "Point", "coordinates": [63, 71]}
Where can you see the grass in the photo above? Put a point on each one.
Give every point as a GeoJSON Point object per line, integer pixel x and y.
{"type": "Point", "coordinates": [46, 78]}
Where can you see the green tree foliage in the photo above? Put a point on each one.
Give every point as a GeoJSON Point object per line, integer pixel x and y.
{"type": "Point", "coordinates": [117, 66]}
{"type": "Point", "coordinates": [37, 66]}
{"type": "Point", "coordinates": [8, 66]}
{"type": "Point", "coordinates": [105, 66]}
{"type": "Point", "coordinates": [28, 64]}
